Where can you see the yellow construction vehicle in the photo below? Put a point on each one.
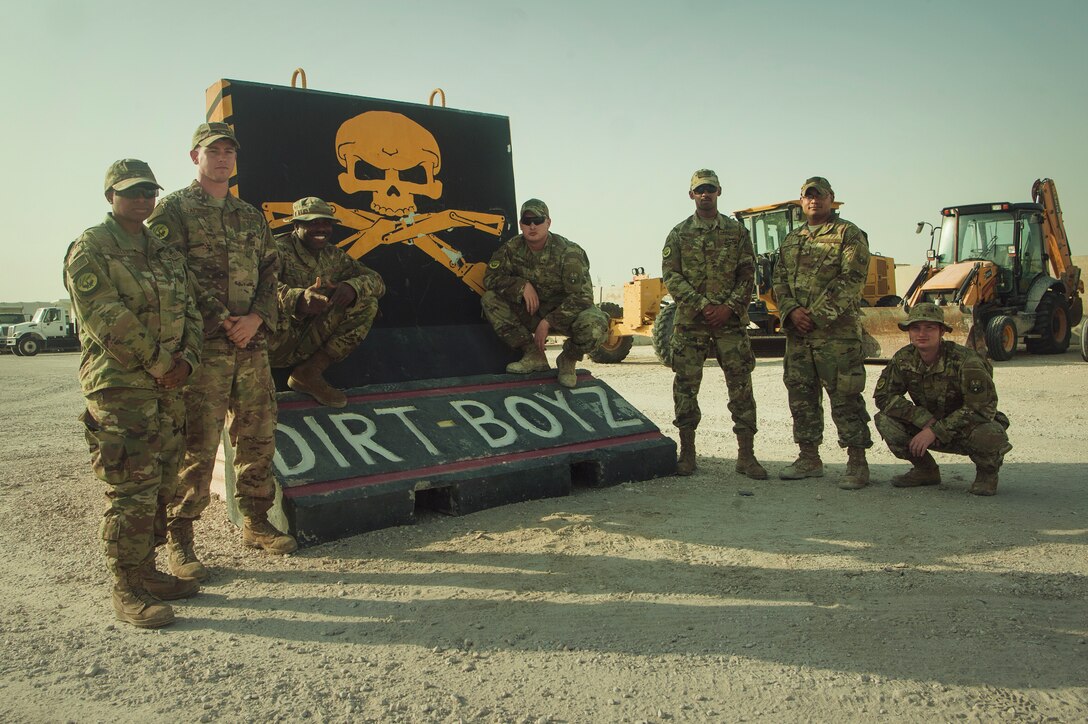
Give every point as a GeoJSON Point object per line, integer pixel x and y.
{"type": "Point", "coordinates": [646, 312]}
{"type": "Point", "coordinates": [1003, 273]}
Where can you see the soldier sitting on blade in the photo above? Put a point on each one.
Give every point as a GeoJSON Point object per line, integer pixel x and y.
{"type": "Point", "coordinates": [327, 302]}
{"type": "Point", "coordinates": [538, 284]}
{"type": "Point", "coordinates": [938, 395]}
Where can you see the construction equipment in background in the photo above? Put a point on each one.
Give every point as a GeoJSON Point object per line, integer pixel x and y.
{"type": "Point", "coordinates": [645, 311]}
{"type": "Point", "coordinates": [1003, 273]}
{"type": "Point", "coordinates": [51, 329]}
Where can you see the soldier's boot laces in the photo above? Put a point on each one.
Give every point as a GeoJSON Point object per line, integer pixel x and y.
{"type": "Point", "coordinates": [747, 465]}
{"type": "Point", "coordinates": [163, 586]}
{"type": "Point", "coordinates": [133, 604]}
{"type": "Point", "coordinates": [985, 482]}
{"type": "Point", "coordinates": [259, 533]}
{"type": "Point", "coordinates": [182, 560]}
{"type": "Point", "coordinates": [533, 360]}
{"type": "Point", "coordinates": [857, 470]}
{"type": "Point", "coordinates": [807, 465]}
{"type": "Point", "coordinates": [568, 374]}
{"type": "Point", "coordinates": [685, 463]}
{"type": "Point", "coordinates": [924, 471]}
{"type": "Point", "coordinates": [307, 378]}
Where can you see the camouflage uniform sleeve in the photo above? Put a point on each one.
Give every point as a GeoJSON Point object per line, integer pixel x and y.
{"type": "Point", "coordinates": [105, 318]}
{"type": "Point", "coordinates": [780, 282]}
{"type": "Point", "coordinates": [193, 344]}
{"type": "Point", "coordinates": [672, 274]}
{"type": "Point", "coordinates": [891, 397]}
{"type": "Point", "coordinates": [979, 400]}
{"type": "Point", "coordinates": [577, 288]}
{"type": "Point", "coordinates": [166, 223]}
{"type": "Point", "coordinates": [843, 293]}
{"type": "Point", "coordinates": [286, 295]}
{"type": "Point", "coordinates": [367, 283]}
{"type": "Point", "coordinates": [265, 302]}
{"type": "Point", "coordinates": [745, 277]}
{"type": "Point", "coordinates": [501, 275]}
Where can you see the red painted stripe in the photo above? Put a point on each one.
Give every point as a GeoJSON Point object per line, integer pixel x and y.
{"type": "Point", "coordinates": [299, 491]}
{"type": "Point", "coordinates": [408, 394]}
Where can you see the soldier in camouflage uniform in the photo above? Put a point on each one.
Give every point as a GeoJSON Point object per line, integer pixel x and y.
{"type": "Point", "coordinates": [538, 284]}
{"type": "Point", "coordinates": [708, 266]}
{"type": "Point", "coordinates": [327, 302]}
{"type": "Point", "coordinates": [231, 253]}
{"type": "Point", "coordinates": [938, 395]}
{"type": "Point", "coordinates": [133, 299]}
{"type": "Point", "coordinates": [818, 278]}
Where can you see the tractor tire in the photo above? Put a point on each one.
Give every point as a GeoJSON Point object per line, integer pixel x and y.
{"type": "Point", "coordinates": [1084, 339]}
{"type": "Point", "coordinates": [662, 334]}
{"type": "Point", "coordinates": [1052, 323]}
{"type": "Point", "coordinates": [889, 300]}
{"type": "Point", "coordinates": [29, 346]}
{"type": "Point", "coordinates": [1001, 338]}
{"type": "Point", "coordinates": [615, 348]}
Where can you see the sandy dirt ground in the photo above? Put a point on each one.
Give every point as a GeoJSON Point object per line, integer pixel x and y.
{"type": "Point", "coordinates": [709, 598]}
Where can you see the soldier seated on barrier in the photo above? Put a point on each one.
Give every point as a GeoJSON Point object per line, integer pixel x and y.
{"type": "Point", "coordinates": [327, 302]}
{"type": "Point", "coordinates": [938, 395]}
{"type": "Point", "coordinates": [538, 284]}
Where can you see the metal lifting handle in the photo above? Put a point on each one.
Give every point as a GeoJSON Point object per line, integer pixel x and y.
{"type": "Point", "coordinates": [438, 92]}
{"type": "Point", "coordinates": [298, 72]}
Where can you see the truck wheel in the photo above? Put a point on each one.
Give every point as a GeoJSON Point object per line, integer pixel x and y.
{"type": "Point", "coordinates": [1084, 339]}
{"type": "Point", "coordinates": [29, 346]}
{"type": "Point", "coordinates": [616, 347]}
{"type": "Point", "coordinates": [1052, 324]}
{"type": "Point", "coordinates": [889, 300]}
{"type": "Point", "coordinates": [662, 334]}
{"type": "Point", "coordinates": [1001, 338]}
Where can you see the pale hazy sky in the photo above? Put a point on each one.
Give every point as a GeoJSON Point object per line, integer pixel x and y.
{"type": "Point", "coordinates": [905, 106]}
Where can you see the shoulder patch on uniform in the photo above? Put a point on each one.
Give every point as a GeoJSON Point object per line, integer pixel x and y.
{"type": "Point", "coordinates": [86, 282]}
{"type": "Point", "coordinates": [160, 230]}
{"type": "Point", "coordinates": [975, 386]}
{"type": "Point", "coordinates": [666, 252]}
{"type": "Point", "coordinates": [494, 264]}
{"type": "Point", "coordinates": [882, 382]}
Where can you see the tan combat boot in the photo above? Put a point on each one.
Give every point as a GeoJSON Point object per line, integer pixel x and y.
{"type": "Point", "coordinates": [182, 560]}
{"type": "Point", "coordinates": [163, 586]}
{"type": "Point", "coordinates": [133, 604]}
{"type": "Point", "coordinates": [307, 379]}
{"type": "Point", "coordinates": [568, 375]}
{"type": "Point", "coordinates": [924, 471]}
{"type": "Point", "coordinates": [747, 465]}
{"type": "Point", "coordinates": [533, 360]}
{"type": "Point", "coordinates": [807, 465]}
{"type": "Point", "coordinates": [259, 533]}
{"type": "Point", "coordinates": [857, 470]}
{"type": "Point", "coordinates": [685, 463]}
{"type": "Point", "coordinates": [985, 482]}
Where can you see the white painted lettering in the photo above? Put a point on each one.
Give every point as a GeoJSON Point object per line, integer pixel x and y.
{"type": "Point", "coordinates": [555, 429]}
{"type": "Point", "coordinates": [606, 408]}
{"type": "Point", "coordinates": [561, 402]}
{"type": "Point", "coordinates": [307, 461]}
{"type": "Point", "coordinates": [484, 419]}
{"type": "Point", "coordinates": [323, 436]}
{"type": "Point", "coordinates": [363, 442]}
{"type": "Point", "coordinates": [402, 415]}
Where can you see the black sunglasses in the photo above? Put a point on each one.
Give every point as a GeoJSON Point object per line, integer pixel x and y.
{"type": "Point", "coordinates": [533, 220]}
{"type": "Point", "coordinates": [138, 192]}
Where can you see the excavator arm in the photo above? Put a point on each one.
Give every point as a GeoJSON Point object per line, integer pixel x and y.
{"type": "Point", "coordinates": [1045, 192]}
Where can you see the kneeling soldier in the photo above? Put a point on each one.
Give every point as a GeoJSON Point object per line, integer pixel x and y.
{"type": "Point", "coordinates": [327, 302]}
{"type": "Point", "coordinates": [952, 405]}
{"type": "Point", "coordinates": [538, 284]}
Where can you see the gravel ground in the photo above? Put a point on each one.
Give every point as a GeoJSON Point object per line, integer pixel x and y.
{"type": "Point", "coordinates": [709, 598]}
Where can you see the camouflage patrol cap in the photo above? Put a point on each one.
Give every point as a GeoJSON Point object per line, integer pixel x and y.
{"type": "Point", "coordinates": [208, 133]}
{"type": "Point", "coordinates": [311, 208]}
{"type": "Point", "coordinates": [704, 176]}
{"type": "Point", "coordinates": [925, 312]}
{"type": "Point", "coordinates": [128, 172]}
{"type": "Point", "coordinates": [535, 207]}
{"type": "Point", "coordinates": [817, 182]}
